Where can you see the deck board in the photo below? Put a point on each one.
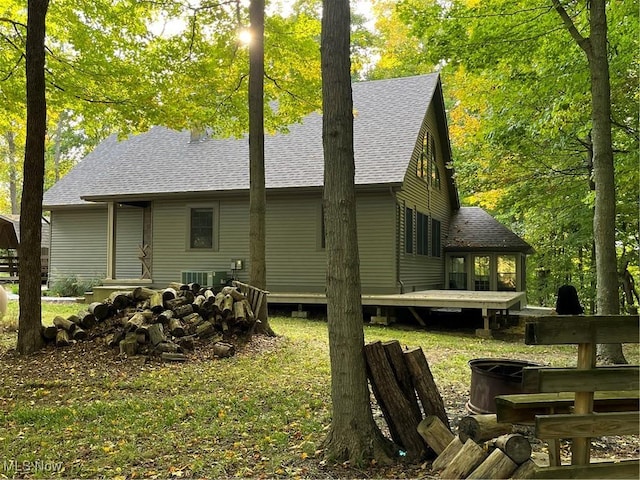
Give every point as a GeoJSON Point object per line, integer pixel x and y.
{"type": "Point", "coordinates": [425, 298]}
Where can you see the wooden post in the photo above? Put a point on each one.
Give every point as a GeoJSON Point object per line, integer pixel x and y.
{"type": "Point", "coordinates": [468, 458]}
{"type": "Point", "coordinates": [435, 433]}
{"type": "Point", "coordinates": [497, 465]}
{"type": "Point", "coordinates": [580, 447]}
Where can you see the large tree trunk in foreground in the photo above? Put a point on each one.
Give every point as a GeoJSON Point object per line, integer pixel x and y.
{"type": "Point", "coordinates": [353, 434]}
{"type": "Point", "coordinates": [257, 187]}
{"type": "Point", "coordinates": [29, 323]}
{"type": "Point", "coordinates": [604, 218]}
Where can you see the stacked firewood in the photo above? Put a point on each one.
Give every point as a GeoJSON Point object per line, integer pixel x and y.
{"type": "Point", "coordinates": [164, 323]}
{"type": "Point", "coordinates": [483, 448]}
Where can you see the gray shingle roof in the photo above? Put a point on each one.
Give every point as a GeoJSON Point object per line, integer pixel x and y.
{"type": "Point", "coordinates": [472, 228]}
{"type": "Point", "coordinates": [387, 119]}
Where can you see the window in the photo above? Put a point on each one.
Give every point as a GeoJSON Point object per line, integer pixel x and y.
{"type": "Point", "coordinates": [422, 234]}
{"type": "Point", "coordinates": [457, 273]}
{"type": "Point", "coordinates": [435, 175]}
{"type": "Point", "coordinates": [408, 230]}
{"type": "Point", "coordinates": [481, 273]}
{"type": "Point", "coordinates": [202, 231]}
{"type": "Point", "coordinates": [436, 246]}
{"type": "Point", "coordinates": [507, 273]}
{"type": "Point", "coordinates": [427, 153]}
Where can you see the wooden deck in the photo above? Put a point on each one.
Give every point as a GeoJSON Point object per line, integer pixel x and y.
{"type": "Point", "coordinates": [489, 303]}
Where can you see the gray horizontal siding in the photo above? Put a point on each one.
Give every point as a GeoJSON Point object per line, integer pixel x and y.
{"type": "Point", "coordinates": [78, 244]}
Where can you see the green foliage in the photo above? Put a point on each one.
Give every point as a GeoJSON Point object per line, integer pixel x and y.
{"type": "Point", "coordinates": [71, 287]}
{"type": "Point", "coordinates": [520, 121]}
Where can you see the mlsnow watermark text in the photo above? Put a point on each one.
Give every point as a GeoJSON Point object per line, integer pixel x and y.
{"type": "Point", "coordinates": [30, 466]}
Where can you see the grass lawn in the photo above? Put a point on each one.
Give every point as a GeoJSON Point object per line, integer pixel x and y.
{"type": "Point", "coordinates": [82, 412]}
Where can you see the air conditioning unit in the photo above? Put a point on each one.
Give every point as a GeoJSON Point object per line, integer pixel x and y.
{"type": "Point", "coordinates": [210, 279]}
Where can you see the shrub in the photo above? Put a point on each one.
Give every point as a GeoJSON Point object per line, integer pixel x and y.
{"type": "Point", "coordinates": [71, 287]}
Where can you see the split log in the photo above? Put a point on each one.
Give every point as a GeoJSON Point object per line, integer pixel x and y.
{"type": "Point", "coordinates": [238, 312]}
{"type": "Point", "coordinates": [183, 310]}
{"type": "Point", "coordinates": [79, 334]}
{"type": "Point", "coordinates": [49, 332]}
{"type": "Point", "coordinates": [447, 455]}
{"type": "Point", "coordinates": [65, 324]}
{"type": "Point", "coordinates": [168, 347]}
{"type": "Point", "coordinates": [143, 293]}
{"type": "Point", "coordinates": [99, 310]}
{"type": "Point", "coordinates": [209, 295]}
{"type": "Point", "coordinates": [134, 322]}
{"type": "Point", "coordinates": [194, 287]}
{"type": "Point", "coordinates": [425, 386]}
{"type": "Point", "coordinates": [156, 302]}
{"type": "Point", "coordinates": [481, 428]}
{"type": "Point", "coordinates": [435, 433]}
{"type": "Point", "coordinates": [62, 338]}
{"type": "Point", "coordinates": [164, 317]}
{"type": "Point", "coordinates": [526, 470]}
{"type": "Point", "coordinates": [173, 303]}
{"type": "Point", "coordinates": [234, 292]}
{"type": "Point", "coordinates": [121, 300]}
{"type": "Point", "coordinates": [117, 338]}
{"type": "Point", "coordinates": [185, 343]}
{"type": "Point", "coordinates": [86, 319]}
{"type": "Point", "coordinates": [175, 327]}
{"type": "Point", "coordinates": [467, 460]}
{"type": "Point", "coordinates": [393, 350]}
{"type": "Point", "coordinates": [188, 296]}
{"type": "Point", "coordinates": [514, 445]}
{"type": "Point", "coordinates": [497, 465]}
{"type": "Point", "coordinates": [74, 318]}
{"type": "Point", "coordinates": [169, 294]}
{"type": "Point", "coordinates": [178, 286]}
{"type": "Point", "coordinates": [217, 303]}
{"type": "Point", "coordinates": [249, 311]}
{"type": "Point", "coordinates": [227, 305]}
{"type": "Point", "coordinates": [397, 409]}
{"type": "Point", "coordinates": [205, 330]}
{"type": "Point", "coordinates": [173, 357]}
{"type": "Point", "coordinates": [199, 300]}
{"type": "Point", "coordinates": [156, 334]}
{"type": "Point", "coordinates": [129, 346]}
{"type": "Point", "coordinates": [223, 349]}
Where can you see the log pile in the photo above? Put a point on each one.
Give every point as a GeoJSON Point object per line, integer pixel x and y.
{"type": "Point", "coordinates": [405, 391]}
{"type": "Point", "coordinates": [474, 453]}
{"type": "Point", "coordinates": [160, 323]}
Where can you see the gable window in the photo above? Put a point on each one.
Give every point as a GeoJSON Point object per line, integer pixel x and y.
{"type": "Point", "coordinates": [408, 230]}
{"type": "Point", "coordinates": [435, 175]}
{"type": "Point", "coordinates": [436, 245]}
{"type": "Point", "coordinates": [202, 228]}
{"type": "Point", "coordinates": [427, 153]}
{"type": "Point", "coordinates": [422, 234]}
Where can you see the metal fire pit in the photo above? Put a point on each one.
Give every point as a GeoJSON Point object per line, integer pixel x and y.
{"type": "Point", "coordinates": [491, 377]}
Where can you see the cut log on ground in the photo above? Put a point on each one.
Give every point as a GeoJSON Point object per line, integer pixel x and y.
{"type": "Point", "coordinates": [435, 433]}
{"type": "Point", "coordinates": [62, 338]}
{"type": "Point", "coordinates": [514, 445]}
{"type": "Point", "coordinates": [526, 470]}
{"type": "Point", "coordinates": [447, 455]}
{"type": "Point", "coordinates": [64, 323]}
{"type": "Point", "coordinates": [496, 466]}
{"type": "Point", "coordinates": [396, 358]}
{"type": "Point", "coordinates": [468, 458]}
{"type": "Point", "coordinates": [481, 428]}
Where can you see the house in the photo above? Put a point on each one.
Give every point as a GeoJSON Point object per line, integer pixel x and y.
{"type": "Point", "coordinates": [164, 206]}
{"type": "Point", "coordinates": [9, 245]}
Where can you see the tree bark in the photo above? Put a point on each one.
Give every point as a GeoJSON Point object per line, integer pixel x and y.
{"type": "Point", "coordinates": [30, 270]}
{"type": "Point", "coordinates": [257, 186]}
{"type": "Point", "coordinates": [604, 217]}
{"type": "Point", "coordinates": [353, 434]}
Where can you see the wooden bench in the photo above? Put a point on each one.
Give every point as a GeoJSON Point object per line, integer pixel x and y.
{"type": "Point", "coordinates": [582, 402]}
{"type": "Point", "coordinates": [257, 299]}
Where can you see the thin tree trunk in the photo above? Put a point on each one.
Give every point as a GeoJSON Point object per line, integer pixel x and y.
{"type": "Point", "coordinates": [353, 434]}
{"type": "Point", "coordinates": [13, 172]}
{"type": "Point", "coordinates": [595, 47]}
{"type": "Point", "coordinates": [29, 322]}
{"type": "Point", "coordinates": [257, 188]}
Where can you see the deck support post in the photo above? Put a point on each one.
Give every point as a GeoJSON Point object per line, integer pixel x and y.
{"type": "Point", "coordinates": [487, 317]}
{"type": "Point", "coordinates": [383, 316]}
{"type": "Point", "coordinates": [299, 313]}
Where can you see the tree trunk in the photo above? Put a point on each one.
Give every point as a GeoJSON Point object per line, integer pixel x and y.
{"type": "Point", "coordinates": [604, 217]}
{"type": "Point", "coordinates": [353, 434]}
{"type": "Point", "coordinates": [257, 188]}
{"type": "Point", "coordinates": [29, 322]}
